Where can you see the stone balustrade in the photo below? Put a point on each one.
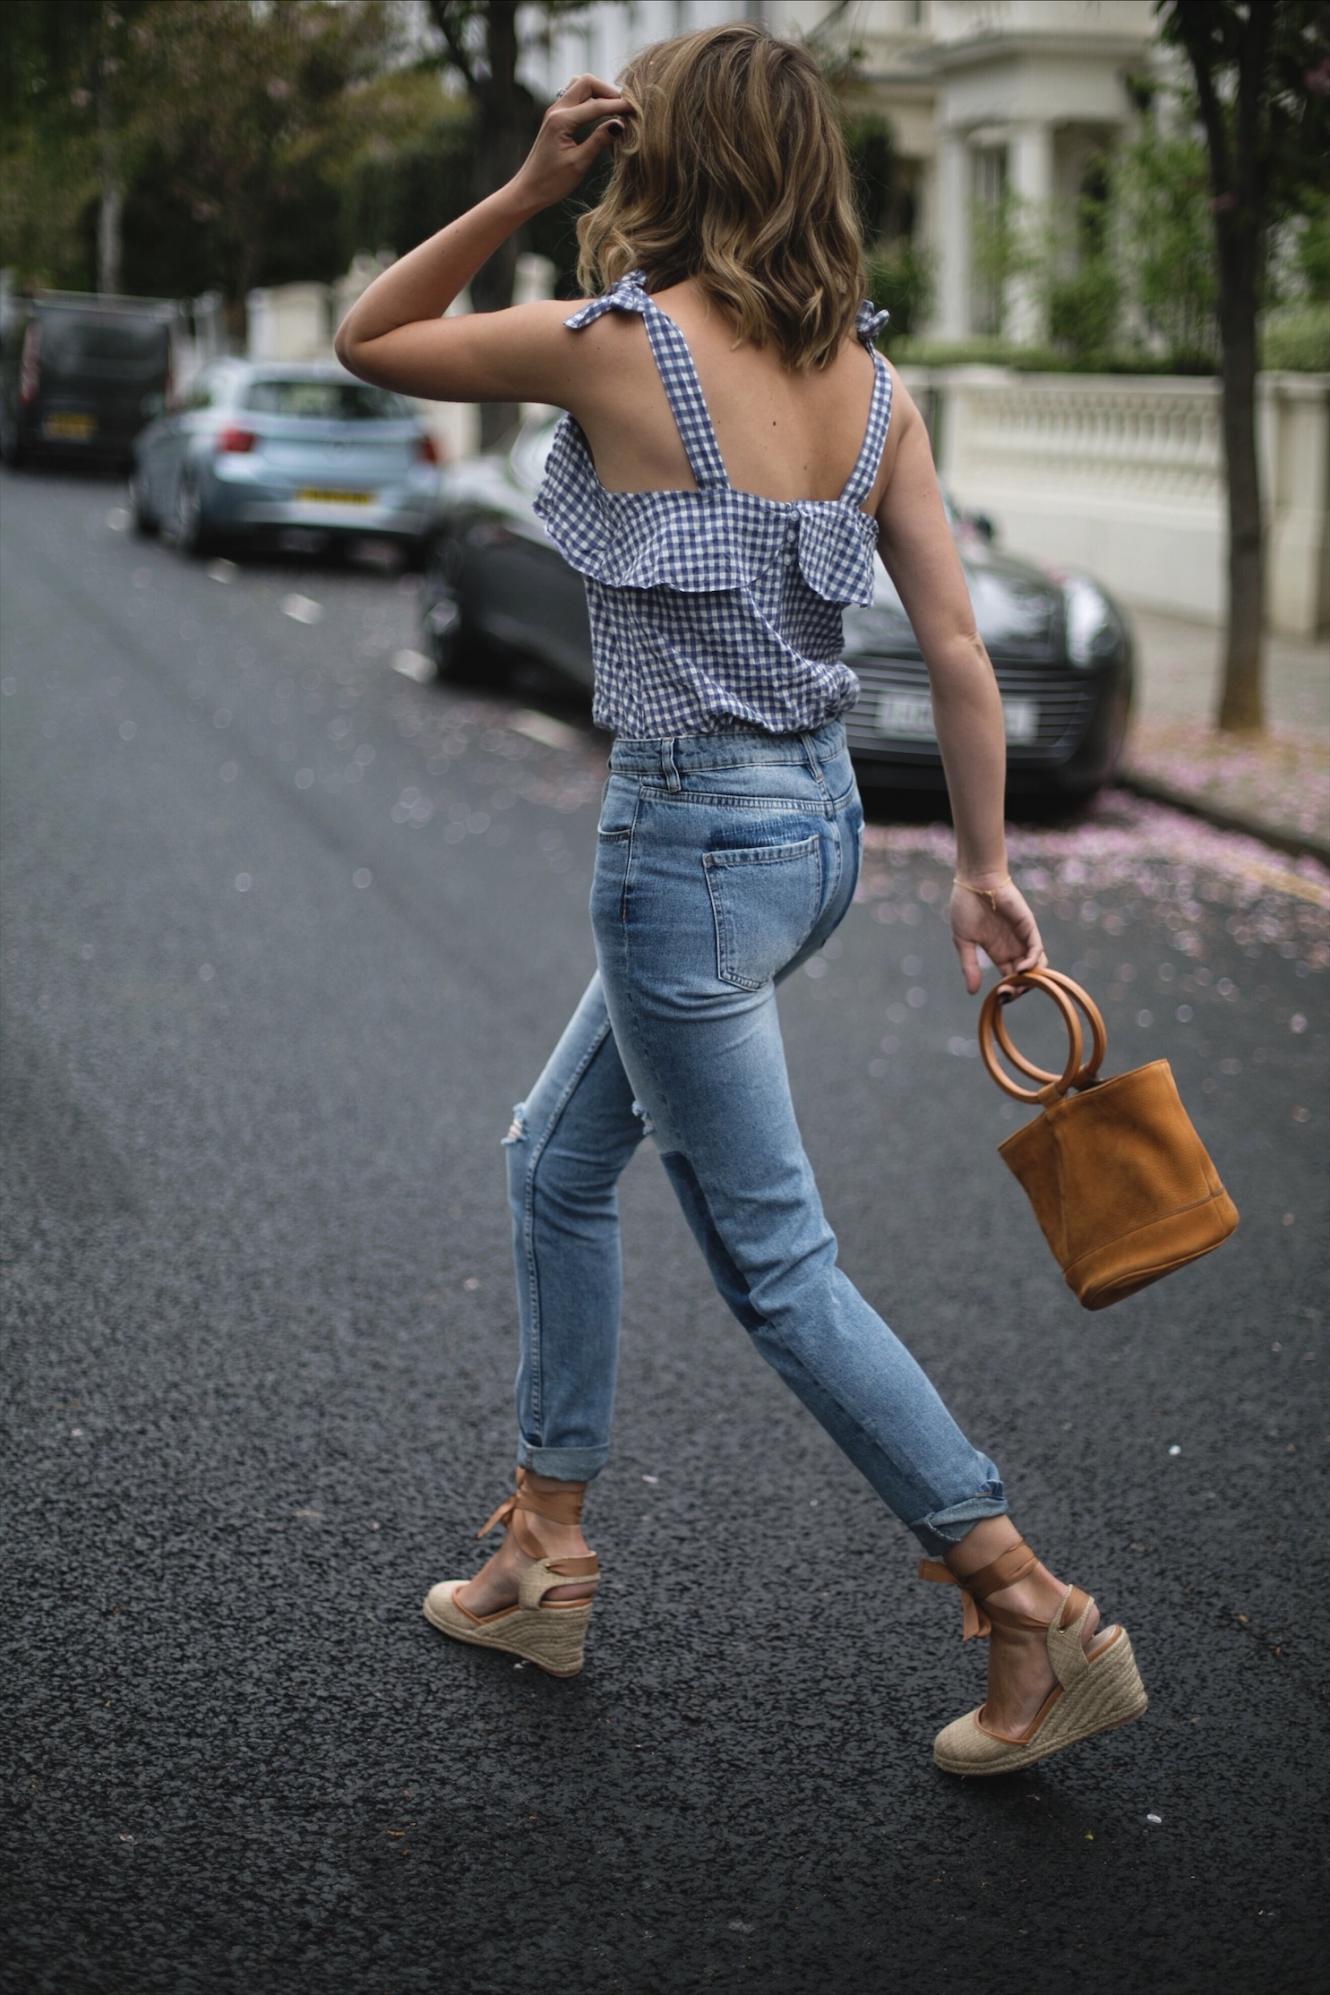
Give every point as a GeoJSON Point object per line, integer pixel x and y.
{"type": "Point", "coordinates": [1123, 475]}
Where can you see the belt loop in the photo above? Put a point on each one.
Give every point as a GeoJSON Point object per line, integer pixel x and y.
{"type": "Point", "coordinates": [672, 781]}
{"type": "Point", "coordinates": [807, 740]}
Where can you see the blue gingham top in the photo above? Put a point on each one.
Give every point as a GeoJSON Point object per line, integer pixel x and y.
{"type": "Point", "coordinates": [713, 608]}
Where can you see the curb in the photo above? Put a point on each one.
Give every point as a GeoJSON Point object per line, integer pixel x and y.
{"type": "Point", "coordinates": [1298, 844]}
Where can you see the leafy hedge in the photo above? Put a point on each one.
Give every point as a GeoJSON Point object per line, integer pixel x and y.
{"type": "Point", "coordinates": [1034, 359]}
{"type": "Point", "coordinates": [1293, 340]}
{"type": "Point", "coordinates": [1298, 340]}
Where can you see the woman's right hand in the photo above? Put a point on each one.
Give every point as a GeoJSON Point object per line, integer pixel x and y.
{"type": "Point", "coordinates": [1009, 934]}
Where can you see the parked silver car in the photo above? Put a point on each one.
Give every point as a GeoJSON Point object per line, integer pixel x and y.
{"type": "Point", "coordinates": [255, 450]}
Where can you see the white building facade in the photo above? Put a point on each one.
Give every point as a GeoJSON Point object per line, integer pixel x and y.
{"type": "Point", "coordinates": [984, 97]}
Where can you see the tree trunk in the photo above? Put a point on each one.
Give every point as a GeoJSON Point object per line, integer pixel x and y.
{"type": "Point", "coordinates": [1238, 145]}
{"type": "Point", "coordinates": [110, 213]}
{"type": "Point", "coordinates": [503, 112]}
{"type": "Point", "coordinates": [1241, 701]}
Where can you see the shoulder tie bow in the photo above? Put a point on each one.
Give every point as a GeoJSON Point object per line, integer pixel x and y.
{"type": "Point", "coordinates": [628, 294]}
{"type": "Point", "coordinates": [870, 324]}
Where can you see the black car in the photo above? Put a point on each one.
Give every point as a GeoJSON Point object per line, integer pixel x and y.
{"type": "Point", "coordinates": [495, 587]}
{"type": "Point", "coordinates": [81, 373]}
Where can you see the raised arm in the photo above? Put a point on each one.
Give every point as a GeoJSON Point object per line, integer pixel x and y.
{"type": "Point", "coordinates": [919, 553]}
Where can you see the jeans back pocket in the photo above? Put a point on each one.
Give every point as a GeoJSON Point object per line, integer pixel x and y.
{"type": "Point", "coordinates": [765, 900]}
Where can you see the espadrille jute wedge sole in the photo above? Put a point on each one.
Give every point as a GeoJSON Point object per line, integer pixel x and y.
{"type": "Point", "coordinates": [1094, 1692]}
{"type": "Point", "coordinates": [1105, 1693]}
{"type": "Point", "coordinates": [549, 1633]}
{"type": "Point", "coordinates": [553, 1637]}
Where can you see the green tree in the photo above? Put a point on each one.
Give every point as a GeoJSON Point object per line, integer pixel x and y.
{"type": "Point", "coordinates": [1165, 241]}
{"type": "Point", "coordinates": [202, 138]}
{"type": "Point", "coordinates": [1261, 70]}
{"type": "Point", "coordinates": [263, 104]}
{"type": "Point", "coordinates": [479, 43]}
{"type": "Point", "coordinates": [1077, 276]}
{"type": "Point", "coordinates": [74, 81]}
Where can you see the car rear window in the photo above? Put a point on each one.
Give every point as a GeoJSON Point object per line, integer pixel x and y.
{"type": "Point", "coordinates": [87, 340]}
{"type": "Point", "coordinates": [325, 401]}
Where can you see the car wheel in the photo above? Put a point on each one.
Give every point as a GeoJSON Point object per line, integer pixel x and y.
{"type": "Point", "coordinates": [188, 532]}
{"type": "Point", "coordinates": [1121, 724]}
{"type": "Point", "coordinates": [11, 450]}
{"type": "Point", "coordinates": [462, 657]}
{"type": "Point", "coordinates": [143, 521]}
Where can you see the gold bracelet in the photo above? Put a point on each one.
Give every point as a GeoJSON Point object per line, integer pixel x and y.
{"type": "Point", "coordinates": [989, 893]}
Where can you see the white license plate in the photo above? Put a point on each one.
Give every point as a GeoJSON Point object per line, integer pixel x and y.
{"type": "Point", "coordinates": [910, 716]}
{"type": "Point", "coordinates": [905, 714]}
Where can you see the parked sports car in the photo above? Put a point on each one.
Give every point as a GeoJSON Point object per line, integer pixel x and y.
{"type": "Point", "coordinates": [257, 449]}
{"type": "Point", "coordinates": [495, 588]}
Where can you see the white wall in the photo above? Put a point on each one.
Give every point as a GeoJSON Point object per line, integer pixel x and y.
{"type": "Point", "coordinates": [1123, 475]}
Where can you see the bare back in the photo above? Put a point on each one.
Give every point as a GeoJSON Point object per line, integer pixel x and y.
{"type": "Point", "coordinates": [782, 435]}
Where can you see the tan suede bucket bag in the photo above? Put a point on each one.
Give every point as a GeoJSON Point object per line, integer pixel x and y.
{"type": "Point", "coordinates": [1120, 1182]}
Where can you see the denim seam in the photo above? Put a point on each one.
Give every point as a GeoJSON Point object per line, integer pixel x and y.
{"type": "Point", "coordinates": [815, 768]}
{"type": "Point", "coordinates": [855, 1419]}
{"type": "Point", "coordinates": [904, 1470]}
{"type": "Point", "coordinates": [810, 806]}
{"type": "Point", "coordinates": [763, 855]}
{"type": "Point", "coordinates": [629, 858]}
{"type": "Point", "coordinates": [650, 767]}
{"type": "Point", "coordinates": [529, 1222]}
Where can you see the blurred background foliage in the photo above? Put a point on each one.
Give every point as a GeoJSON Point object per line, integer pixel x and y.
{"type": "Point", "coordinates": [170, 146]}
{"type": "Point", "coordinates": [162, 146]}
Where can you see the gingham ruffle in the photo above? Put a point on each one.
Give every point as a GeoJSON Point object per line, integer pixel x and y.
{"type": "Point", "coordinates": [780, 570]}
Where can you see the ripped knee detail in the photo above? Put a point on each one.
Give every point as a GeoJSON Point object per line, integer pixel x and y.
{"type": "Point", "coordinates": [517, 1127]}
{"type": "Point", "coordinates": [648, 1126]}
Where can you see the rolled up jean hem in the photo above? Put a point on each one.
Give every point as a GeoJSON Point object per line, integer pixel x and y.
{"type": "Point", "coordinates": [938, 1532]}
{"type": "Point", "coordinates": [571, 1464]}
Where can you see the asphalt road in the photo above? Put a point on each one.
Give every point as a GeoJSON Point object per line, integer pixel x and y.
{"type": "Point", "coordinates": [286, 934]}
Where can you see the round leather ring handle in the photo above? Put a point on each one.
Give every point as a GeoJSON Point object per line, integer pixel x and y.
{"type": "Point", "coordinates": [1099, 1037]}
{"type": "Point", "coordinates": [1055, 1083]}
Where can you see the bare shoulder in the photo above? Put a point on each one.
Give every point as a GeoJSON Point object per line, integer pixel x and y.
{"type": "Point", "coordinates": [904, 408]}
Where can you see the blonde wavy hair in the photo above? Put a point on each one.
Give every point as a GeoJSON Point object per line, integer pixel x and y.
{"type": "Point", "coordinates": [733, 171]}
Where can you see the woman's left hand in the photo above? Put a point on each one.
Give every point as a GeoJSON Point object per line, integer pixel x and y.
{"type": "Point", "coordinates": [556, 162]}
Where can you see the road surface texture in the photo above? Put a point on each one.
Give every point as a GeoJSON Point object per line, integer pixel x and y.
{"type": "Point", "coordinates": [287, 932]}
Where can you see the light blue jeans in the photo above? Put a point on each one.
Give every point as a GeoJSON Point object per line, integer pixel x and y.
{"type": "Point", "coordinates": [723, 862]}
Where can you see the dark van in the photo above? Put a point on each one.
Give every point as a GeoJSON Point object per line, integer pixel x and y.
{"type": "Point", "coordinates": [82, 373]}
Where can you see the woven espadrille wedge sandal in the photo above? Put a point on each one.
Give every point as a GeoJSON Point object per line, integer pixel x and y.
{"type": "Point", "coordinates": [549, 1633]}
{"type": "Point", "coordinates": [1096, 1690]}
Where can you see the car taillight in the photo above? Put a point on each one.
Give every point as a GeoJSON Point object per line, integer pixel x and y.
{"type": "Point", "coordinates": [427, 450]}
{"type": "Point", "coordinates": [30, 362]}
{"type": "Point", "coordinates": [231, 439]}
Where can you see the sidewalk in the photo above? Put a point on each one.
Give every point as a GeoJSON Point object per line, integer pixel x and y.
{"type": "Point", "coordinates": [1277, 788]}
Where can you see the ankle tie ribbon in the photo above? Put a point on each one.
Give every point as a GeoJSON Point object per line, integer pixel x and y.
{"type": "Point", "coordinates": [974, 1621]}
{"type": "Point", "coordinates": [1003, 1571]}
{"type": "Point", "coordinates": [564, 1506]}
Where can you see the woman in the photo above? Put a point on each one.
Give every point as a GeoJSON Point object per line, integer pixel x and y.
{"type": "Point", "coordinates": [734, 451]}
